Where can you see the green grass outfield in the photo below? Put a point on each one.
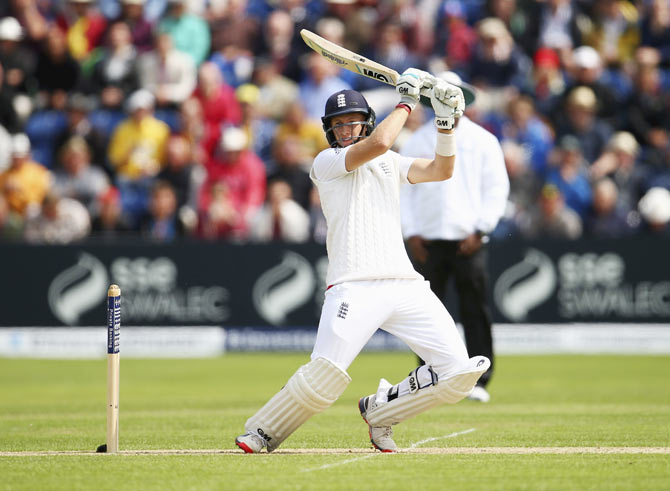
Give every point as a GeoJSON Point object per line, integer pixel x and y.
{"type": "Point", "coordinates": [554, 422]}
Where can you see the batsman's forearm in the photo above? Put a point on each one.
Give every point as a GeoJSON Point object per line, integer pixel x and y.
{"type": "Point", "coordinates": [388, 130]}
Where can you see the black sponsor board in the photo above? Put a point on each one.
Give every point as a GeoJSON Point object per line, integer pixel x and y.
{"type": "Point", "coordinates": [276, 286]}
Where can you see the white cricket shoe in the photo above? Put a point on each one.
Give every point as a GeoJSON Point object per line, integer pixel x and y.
{"type": "Point", "coordinates": [480, 394]}
{"type": "Point", "coordinates": [250, 442]}
{"type": "Point", "coordinates": [381, 437]}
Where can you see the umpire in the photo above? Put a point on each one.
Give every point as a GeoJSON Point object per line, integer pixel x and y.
{"type": "Point", "coordinates": [447, 223]}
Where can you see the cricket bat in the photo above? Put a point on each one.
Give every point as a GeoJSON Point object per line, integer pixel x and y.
{"type": "Point", "coordinates": [354, 62]}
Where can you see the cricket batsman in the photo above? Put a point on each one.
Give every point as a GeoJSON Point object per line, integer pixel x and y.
{"type": "Point", "coordinates": [371, 283]}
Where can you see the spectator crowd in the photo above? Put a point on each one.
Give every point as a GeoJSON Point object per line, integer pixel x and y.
{"type": "Point", "coordinates": [167, 119]}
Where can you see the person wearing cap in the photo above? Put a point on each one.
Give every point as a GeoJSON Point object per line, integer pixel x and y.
{"type": "Point", "coordinates": [620, 161]}
{"type": "Point", "coordinates": [579, 118]}
{"type": "Point", "coordinates": [447, 224]}
{"type": "Point", "coordinates": [241, 173]}
{"type": "Point", "coordinates": [587, 69]}
{"type": "Point", "coordinates": [25, 183]}
{"type": "Point", "coordinates": [370, 281]}
{"type": "Point", "coordinates": [551, 219]}
{"type": "Point", "coordinates": [137, 145]}
{"type": "Point", "coordinates": [18, 62]}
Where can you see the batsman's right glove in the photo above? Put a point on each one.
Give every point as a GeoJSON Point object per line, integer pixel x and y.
{"type": "Point", "coordinates": [410, 83]}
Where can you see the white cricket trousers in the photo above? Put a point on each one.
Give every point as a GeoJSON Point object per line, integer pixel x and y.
{"type": "Point", "coordinates": [406, 308]}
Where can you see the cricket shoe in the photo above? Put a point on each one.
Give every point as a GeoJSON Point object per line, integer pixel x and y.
{"type": "Point", "coordinates": [479, 394]}
{"type": "Point", "coordinates": [250, 442]}
{"type": "Point", "coordinates": [381, 437]}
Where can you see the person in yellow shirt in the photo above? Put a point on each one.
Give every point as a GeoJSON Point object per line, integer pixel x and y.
{"type": "Point", "coordinates": [25, 183]}
{"type": "Point", "coordinates": [137, 146]}
{"type": "Point", "coordinates": [296, 123]}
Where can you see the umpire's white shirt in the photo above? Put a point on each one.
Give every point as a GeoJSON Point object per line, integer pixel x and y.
{"type": "Point", "coordinates": [473, 199]}
{"type": "Point", "coordinates": [362, 209]}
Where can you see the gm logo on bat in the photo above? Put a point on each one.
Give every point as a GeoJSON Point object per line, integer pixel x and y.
{"type": "Point", "coordinates": [372, 74]}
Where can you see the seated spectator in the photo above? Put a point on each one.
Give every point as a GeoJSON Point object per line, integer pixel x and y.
{"type": "Point", "coordinates": [280, 218]}
{"type": "Point", "coordinates": [17, 65]}
{"type": "Point", "coordinates": [84, 27]}
{"type": "Point", "coordinates": [137, 152]}
{"type": "Point", "coordinates": [109, 221]}
{"type": "Point", "coordinates": [647, 112]}
{"type": "Point", "coordinates": [456, 39]}
{"type": "Point", "coordinates": [276, 43]}
{"type": "Point", "coordinates": [524, 189]}
{"type": "Point", "coordinates": [608, 218]}
{"type": "Point", "coordinates": [389, 49]}
{"type": "Point", "coordinates": [613, 30]}
{"type": "Point", "coordinates": [309, 133]}
{"type": "Point", "coordinates": [17, 59]}
{"type": "Point", "coordinates": [655, 27]}
{"type": "Point", "coordinates": [78, 110]}
{"type": "Point", "coordinates": [260, 130]}
{"type": "Point", "coordinates": [233, 37]}
{"type": "Point", "coordinates": [521, 124]}
{"type": "Point", "coordinates": [217, 99]}
{"type": "Point", "coordinates": [558, 26]}
{"type": "Point", "coordinates": [243, 176]}
{"type": "Point", "coordinates": [277, 93]}
{"type": "Point", "coordinates": [137, 147]}
{"type": "Point", "coordinates": [551, 219]}
{"type": "Point", "coordinates": [202, 137]}
{"type": "Point", "coordinates": [498, 65]}
{"type": "Point", "coordinates": [162, 223]}
{"type": "Point", "coordinates": [547, 81]}
{"type": "Point", "coordinates": [655, 211]}
{"type": "Point", "coordinates": [169, 74]}
{"type": "Point", "coordinates": [289, 165]}
{"type": "Point", "coordinates": [189, 32]}
{"type": "Point", "coordinates": [25, 183]}
{"type": "Point", "coordinates": [218, 218]}
{"type": "Point", "coordinates": [141, 29]}
{"type": "Point", "coordinates": [75, 178]}
{"type": "Point", "coordinates": [56, 73]}
{"type": "Point", "coordinates": [588, 70]}
{"type": "Point", "coordinates": [321, 82]}
{"type": "Point", "coordinates": [59, 221]}
{"type": "Point", "coordinates": [570, 176]}
{"type": "Point", "coordinates": [579, 120]}
{"type": "Point", "coordinates": [185, 176]}
{"type": "Point", "coordinates": [115, 75]}
{"type": "Point", "coordinates": [620, 163]}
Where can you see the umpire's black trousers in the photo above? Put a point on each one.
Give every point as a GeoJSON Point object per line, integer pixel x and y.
{"type": "Point", "coordinates": [471, 282]}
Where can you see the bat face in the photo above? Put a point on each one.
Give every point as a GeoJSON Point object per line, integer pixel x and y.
{"type": "Point", "coordinates": [348, 59]}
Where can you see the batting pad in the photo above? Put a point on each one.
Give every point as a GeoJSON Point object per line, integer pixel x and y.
{"type": "Point", "coordinates": [450, 391]}
{"type": "Point", "coordinates": [312, 389]}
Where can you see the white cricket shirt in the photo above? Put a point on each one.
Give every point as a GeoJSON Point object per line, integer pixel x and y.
{"type": "Point", "coordinates": [473, 199]}
{"type": "Point", "coordinates": [362, 210]}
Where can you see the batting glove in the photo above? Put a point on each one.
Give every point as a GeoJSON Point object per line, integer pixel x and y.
{"type": "Point", "coordinates": [448, 103]}
{"type": "Point", "coordinates": [410, 83]}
